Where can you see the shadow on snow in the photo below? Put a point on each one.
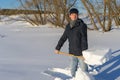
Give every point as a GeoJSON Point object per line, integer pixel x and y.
{"type": "Point", "coordinates": [113, 71]}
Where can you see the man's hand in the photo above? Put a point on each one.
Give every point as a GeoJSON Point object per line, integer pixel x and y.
{"type": "Point", "coordinates": [57, 51]}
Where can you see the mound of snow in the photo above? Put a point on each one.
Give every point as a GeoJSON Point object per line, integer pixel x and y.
{"type": "Point", "coordinates": [81, 75]}
{"type": "Point", "coordinates": [57, 79]}
{"type": "Point", "coordinates": [97, 56]}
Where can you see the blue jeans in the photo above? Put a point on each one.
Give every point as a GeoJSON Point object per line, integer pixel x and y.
{"type": "Point", "coordinates": [74, 65]}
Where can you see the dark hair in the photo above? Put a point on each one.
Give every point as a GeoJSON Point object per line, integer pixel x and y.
{"type": "Point", "coordinates": [73, 10]}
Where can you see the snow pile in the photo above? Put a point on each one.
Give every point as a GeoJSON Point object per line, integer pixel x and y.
{"type": "Point", "coordinates": [80, 75]}
{"type": "Point", "coordinates": [65, 71]}
{"type": "Point", "coordinates": [97, 56]}
{"type": "Point", "coordinates": [57, 79]}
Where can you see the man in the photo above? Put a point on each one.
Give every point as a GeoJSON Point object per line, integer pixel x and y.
{"type": "Point", "coordinates": [76, 33]}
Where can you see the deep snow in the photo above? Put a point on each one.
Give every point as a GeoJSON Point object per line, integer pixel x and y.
{"type": "Point", "coordinates": [27, 51]}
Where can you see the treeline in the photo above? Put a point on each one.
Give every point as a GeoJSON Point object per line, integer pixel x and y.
{"type": "Point", "coordinates": [102, 13]}
{"type": "Point", "coordinates": [18, 11]}
{"type": "Point", "coordinates": [58, 9]}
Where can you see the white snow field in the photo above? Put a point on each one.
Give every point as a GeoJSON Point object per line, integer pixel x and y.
{"type": "Point", "coordinates": [26, 51]}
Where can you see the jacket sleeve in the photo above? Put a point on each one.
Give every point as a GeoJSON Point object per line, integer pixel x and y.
{"type": "Point", "coordinates": [62, 40]}
{"type": "Point", "coordinates": [84, 39]}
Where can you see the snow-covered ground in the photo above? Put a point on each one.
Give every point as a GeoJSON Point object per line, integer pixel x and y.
{"type": "Point", "coordinates": [26, 51]}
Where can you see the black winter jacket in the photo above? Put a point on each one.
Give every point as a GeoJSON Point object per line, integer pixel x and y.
{"type": "Point", "coordinates": [77, 38]}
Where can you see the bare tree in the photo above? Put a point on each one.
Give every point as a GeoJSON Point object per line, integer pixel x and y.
{"type": "Point", "coordinates": [35, 18]}
{"type": "Point", "coordinates": [109, 12]}
{"type": "Point", "coordinates": [54, 11]}
{"type": "Point", "coordinates": [90, 14]}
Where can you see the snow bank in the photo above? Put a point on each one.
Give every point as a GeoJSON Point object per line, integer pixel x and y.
{"type": "Point", "coordinates": [80, 75]}
{"type": "Point", "coordinates": [97, 56]}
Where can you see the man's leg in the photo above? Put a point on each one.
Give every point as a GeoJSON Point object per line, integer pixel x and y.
{"type": "Point", "coordinates": [83, 65]}
{"type": "Point", "coordinates": [73, 65]}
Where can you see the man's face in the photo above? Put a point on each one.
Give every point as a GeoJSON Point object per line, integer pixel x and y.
{"type": "Point", "coordinates": [73, 16]}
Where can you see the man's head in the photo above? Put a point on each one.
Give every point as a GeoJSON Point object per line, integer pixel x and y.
{"type": "Point", "coordinates": [73, 14]}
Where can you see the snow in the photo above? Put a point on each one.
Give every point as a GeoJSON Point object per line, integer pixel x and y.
{"type": "Point", "coordinates": [97, 56]}
{"type": "Point", "coordinates": [83, 75]}
{"type": "Point", "coordinates": [58, 79]}
{"type": "Point", "coordinates": [64, 74]}
{"type": "Point", "coordinates": [26, 51]}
